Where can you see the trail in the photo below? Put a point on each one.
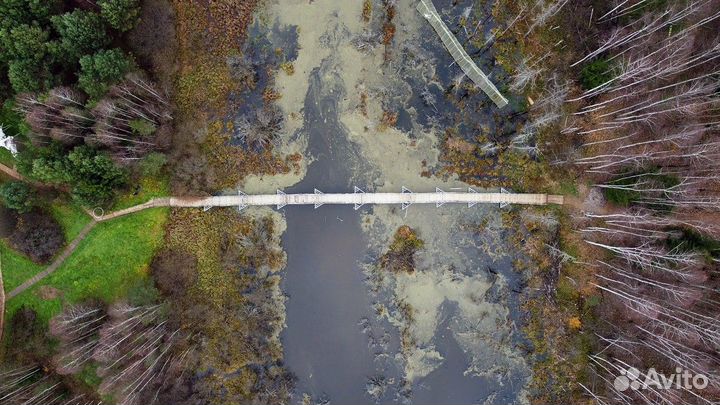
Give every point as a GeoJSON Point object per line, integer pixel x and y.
{"type": "Point", "coordinates": [69, 250]}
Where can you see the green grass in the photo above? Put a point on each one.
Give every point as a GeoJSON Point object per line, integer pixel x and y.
{"type": "Point", "coordinates": [6, 157]}
{"type": "Point", "coordinates": [71, 217]}
{"type": "Point", "coordinates": [112, 260]}
{"type": "Point", "coordinates": [568, 187]}
{"type": "Point", "coordinates": [149, 187]}
{"type": "Point", "coordinates": [16, 267]}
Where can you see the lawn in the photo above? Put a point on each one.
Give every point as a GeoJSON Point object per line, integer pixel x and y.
{"type": "Point", "coordinates": [148, 188]}
{"type": "Point", "coordinates": [6, 157]}
{"type": "Point", "coordinates": [113, 258]}
{"type": "Point", "coordinates": [71, 217]}
{"type": "Point", "coordinates": [16, 268]}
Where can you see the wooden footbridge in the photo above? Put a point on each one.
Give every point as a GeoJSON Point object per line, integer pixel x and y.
{"type": "Point", "coordinates": [427, 9]}
{"type": "Point", "coordinates": [357, 199]}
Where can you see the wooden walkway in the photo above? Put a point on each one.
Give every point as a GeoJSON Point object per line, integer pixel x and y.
{"type": "Point", "coordinates": [359, 198]}
{"type": "Point", "coordinates": [427, 9]}
{"type": "Point", "coordinates": [406, 198]}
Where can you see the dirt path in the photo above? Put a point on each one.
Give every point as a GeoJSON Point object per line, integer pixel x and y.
{"type": "Point", "coordinates": [11, 172]}
{"type": "Point", "coordinates": [69, 250]}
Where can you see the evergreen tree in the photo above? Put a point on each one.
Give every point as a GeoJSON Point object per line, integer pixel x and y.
{"type": "Point", "coordinates": [120, 14]}
{"type": "Point", "coordinates": [81, 32]}
{"type": "Point", "coordinates": [102, 70]}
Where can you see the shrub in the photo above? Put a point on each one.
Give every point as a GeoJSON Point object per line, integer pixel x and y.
{"type": "Point", "coordinates": [401, 254]}
{"type": "Point", "coordinates": [152, 164]}
{"type": "Point", "coordinates": [142, 127]}
{"type": "Point", "coordinates": [120, 14]}
{"type": "Point", "coordinates": [18, 196]}
{"type": "Point", "coordinates": [596, 73]}
{"type": "Point", "coordinates": [38, 235]}
{"type": "Point", "coordinates": [174, 272]}
{"type": "Point", "coordinates": [103, 69]}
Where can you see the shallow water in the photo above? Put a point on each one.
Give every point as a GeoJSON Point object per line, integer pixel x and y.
{"type": "Point", "coordinates": [323, 342]}
{"type": "Point", "coordinates": [343, 325]}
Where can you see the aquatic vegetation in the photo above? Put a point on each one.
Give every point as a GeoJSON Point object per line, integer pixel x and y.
{"type": "Point", "coordinates": [400, 256]}
{"type": "Point", "coordinates": [367, 10]}
{"type": "Point", "coordinates": [257, 133]}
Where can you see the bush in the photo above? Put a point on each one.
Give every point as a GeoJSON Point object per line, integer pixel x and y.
{"type": "Point", "coordinates": [103, 69]}
{"type": "Point", "coordinates": [152, 164]}
{"type": "Point", "coordinates": [400, 257]}
{"type": "Point", "coordinates": [174, 272]}
{"type": "Point", "coordinates": [17, 196]}
{"type": "Point", "coordinates": [120, 14]}
{"type": "Point", "coordinates": [38, 235]}
{"type": "Point", "coordinates": [142, 127]}
{"type": "Point", "coordinates": [596, 73]}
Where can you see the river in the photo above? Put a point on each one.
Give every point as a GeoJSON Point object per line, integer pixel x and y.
{"type": "Point", "coordinates": [344, 323]}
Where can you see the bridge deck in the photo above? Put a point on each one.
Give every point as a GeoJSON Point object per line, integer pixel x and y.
{"type": "Point", "coordinates": [366, 198]}
{"type": "Point", "coordinates": [357, 199]}
{"type": "Point", "coordinates": [427, 9]}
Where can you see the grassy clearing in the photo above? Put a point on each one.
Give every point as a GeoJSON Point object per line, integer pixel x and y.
{"type": "Point", "coordinates": [71, 217]}
{"type": "Point", "coordinates": [16, 267]}
{"type": "Point", "coordinates": [148, 188]}
{"type": "Point", "coordinates": [107, 265]}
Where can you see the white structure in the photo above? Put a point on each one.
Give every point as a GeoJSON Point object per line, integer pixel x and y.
{"type": "Point", "coordinates": [427, 9]}
{"type": "Point", "coordinates": [358, 198]}
{"type": "Point", "coordinates": [7, 142]}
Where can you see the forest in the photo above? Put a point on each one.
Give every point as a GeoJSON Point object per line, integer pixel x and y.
{"type": "Point", "coordinates": [637, 129]}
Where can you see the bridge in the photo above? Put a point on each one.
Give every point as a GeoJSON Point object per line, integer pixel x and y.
{"type": "Point", "coordinates": [428, 10]}
{"type": "Point", "coordinates": [357, 199]}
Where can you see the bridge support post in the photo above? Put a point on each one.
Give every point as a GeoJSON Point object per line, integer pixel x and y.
{"type": "Point", "coordinates": [242, 206]}
{"type": "Point", "coordinates": [405, 205]}
{"type": "Point", "coordinates": [282, 204]}
{"type": "Point", "coordinates": [358, 190]}
{"type": "Point", "coordinates": [318, 205]}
